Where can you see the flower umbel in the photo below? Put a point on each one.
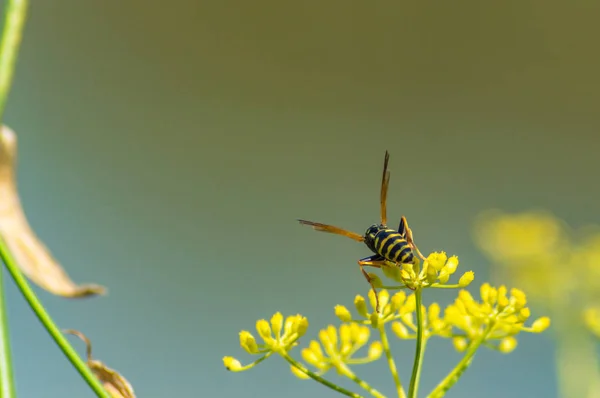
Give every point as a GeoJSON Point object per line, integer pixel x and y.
{"type": "Point", "coordinates": [336, 348]}
{"type": "Point", "coordinates": [495, 320]}
{"type": "Point", "coordinates": [435, 272]}
{"type": "Point", "coordinates": [277, 336]}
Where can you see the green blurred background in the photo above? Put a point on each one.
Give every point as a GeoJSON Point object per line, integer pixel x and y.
{"type": "Point", "coordinates": [167, 148]}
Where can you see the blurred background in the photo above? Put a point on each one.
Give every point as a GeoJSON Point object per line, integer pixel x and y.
{"type": "Point", "coordinates": [167, 149]}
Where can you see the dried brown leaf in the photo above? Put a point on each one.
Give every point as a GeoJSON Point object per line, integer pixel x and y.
{"type": "Point", "coordinates": [32, 256]}
{"type": "Point", "coordinates": [116, 385]}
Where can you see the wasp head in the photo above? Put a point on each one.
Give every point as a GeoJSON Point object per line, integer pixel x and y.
{"type": "Point", "coordinates": [370, 234]}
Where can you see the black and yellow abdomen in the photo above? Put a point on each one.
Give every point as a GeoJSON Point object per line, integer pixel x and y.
{"type": "Point", "coordinates": [389, 244]}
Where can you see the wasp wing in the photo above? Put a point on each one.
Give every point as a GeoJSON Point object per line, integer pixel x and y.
{"type": "Point", "coordinates": [333, 230]}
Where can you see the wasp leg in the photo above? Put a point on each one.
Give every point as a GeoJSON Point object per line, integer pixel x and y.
{"type": "Point", "coordinates": [403, 226]}
{"type": "Point", "coordinates": [375, 261]}
{"type": "Point", "coordinates": [405, 231]}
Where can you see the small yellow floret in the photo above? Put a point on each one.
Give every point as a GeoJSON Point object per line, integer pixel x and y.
{"type": "Point", "coordinates": [298, 373]}
{"type": "Point", "coordinates": [248, 342]}
{"type": "Point", "coordinates": [375, 350]}
{"type": "Point", "coordinates": [277, 323]}
{"type": "Point", "coordinates": [466, 279]}
{"type": "Point", "coordinates": [361, 305]}
{"type": "Point", "coordinates": [437, 260]}
{"type": "Point", "coordinates": [232, 364]}
{"type": "Point", "coordinates": [541, 324]}
{"type": "Point", "coordinates": [460, 343]}
{"type": "Point", "coordinates": [508, 344]}
{"type": "Point", "coordinates": [400, 330]}
{"type": "Point", "coordinates": [342, 313]}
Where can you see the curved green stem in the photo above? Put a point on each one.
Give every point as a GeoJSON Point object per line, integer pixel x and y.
{"type": "Point", "coordinates": [420, 350]}
{"type": "Point", "coordinates": [366, 386]}
{"type": "Point", "coordinates": [49, 324]}
{"type": "Point", "coordinates": [14, 20]}
{"type": "Point", "coordinates": [390, 359]}
{"type": "Point", "coordinates": [440, 286]}
{"type": "Point", "coordinates": [7, 386]}
{"type": "Point", "coordinates": [318, 378]}
{"type": "Point", "coordinates": [452, 377]}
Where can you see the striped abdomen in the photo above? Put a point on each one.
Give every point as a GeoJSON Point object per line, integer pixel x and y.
{"type": "Point", "coordinates": [391, 245]}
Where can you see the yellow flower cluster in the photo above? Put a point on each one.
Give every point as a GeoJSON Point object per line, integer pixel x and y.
{"type": "Point", "coordinates": [336, 348]}
{"type": "Point", "coordinates": [435, 272]}
{"type": "Point", "coordinates": [497, 318]}
{"type": "Point", "coordinates": [392, 308]}
{"type": "Point", "coordinates": [277, 336]}
{"type": "Point", "coordinates": [540, 253]}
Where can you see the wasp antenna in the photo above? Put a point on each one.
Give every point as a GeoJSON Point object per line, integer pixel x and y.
{"type": "Point", "coordinates": [385, 181]}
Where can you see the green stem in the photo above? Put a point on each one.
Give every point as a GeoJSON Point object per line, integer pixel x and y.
{"type": "Point", "coordinates": [318, 378]}
{"type": "Point", "coordinates": [420, 351]}
{"type": "Point", "coordinates": [391, 363]}
{"type": "Point", "coordinates": [14, 20]}
{"type": "Point", "coordinates": [460, 368]}
{"type": "Point", "coordinates": [366, 386]}
{"type": "Point", "coordinates": [15, 14]}
{"type": "Point", "coordinates": [7, 386]}
{"type": "Point", "coordinates": [49, 324]}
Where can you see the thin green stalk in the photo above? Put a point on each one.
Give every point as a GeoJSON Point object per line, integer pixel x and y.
{"type": "Point", "coordinates": [460, 368]}
{"type": "Point", "coordinates": [49, 324]}
{"type": "Point", "coordinates": [318, 378]}
{"type": "Point", "coordinates": [390, 359]}
{"type": "Point", "coordinates": [7, 386]}
{"type": "Point", "coordinates": [14, 20]}
{"type": "Point", "coordinates": [363, 384]}
{"type": "Point", "coordinates": [420, 351]}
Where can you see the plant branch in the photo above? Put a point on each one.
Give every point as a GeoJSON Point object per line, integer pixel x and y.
{"type": "Point", "coordinates": [420, 350]}
{"type": "Point", "coordinates": [7, 386]}
{"type": "Point", "coordinates": [462, 365]}
{"type": "Point", "coordinates": [49, 324]}
{"type": "Point", "coordinates": [318, 378]}
{"type": "Point", "coordinates": [391, 363]}
{"type": "Point", "coordinates": [14, 21]}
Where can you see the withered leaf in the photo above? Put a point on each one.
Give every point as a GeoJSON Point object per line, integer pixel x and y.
{"type": "Point", "coordinates": [115, 384]}
{"type": "Point", "coordinates": [32, 256]}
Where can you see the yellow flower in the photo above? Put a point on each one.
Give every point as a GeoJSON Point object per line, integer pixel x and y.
{"type": "Point", "coordinates": [232, 364]}
{"type": "Point", "coordinates": [343, 313]}
{"type": "Point", "coordinates": [278, 336]}
{"type": "Point", "coordinates": [337, 347]}
{"type": "Point", "coordinates": [497, 317]}
{"type": "Point", "coordinates": [432, 323]}
{"type": "Point", "coordinates": [435, 271]}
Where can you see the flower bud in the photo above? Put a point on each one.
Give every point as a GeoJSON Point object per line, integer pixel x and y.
{"type": "Point", "coordinates": [466, 279]}
{"type": "Point", "coordinates": [232, 364]}
{"type": "Point", "coordinates": [508, 344]}
{"type": "Point", "coordinates": [375, 350]}
{"type": "Point", "coordinates": [437, 260]}
{"type": "Point", "coordinates": [248, 342]}
{"type": "Point", "coordinates": [400, 330]}
{"type": "Point", "coordinates": [264, 331]}
{"type": "Point", "coordinates": [460, 343]}
{"type": "Point", "coordinates": [361, 305]}
{"type": "Point", "coordinates": [298, 373]}
{"type": "Point", "coordinates": [541, 324]}
{"type": "Point", "coordinates": [342, 313]}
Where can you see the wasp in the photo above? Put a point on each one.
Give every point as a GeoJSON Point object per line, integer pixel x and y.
{"type": "Point", "coordinates": [390, 247]}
